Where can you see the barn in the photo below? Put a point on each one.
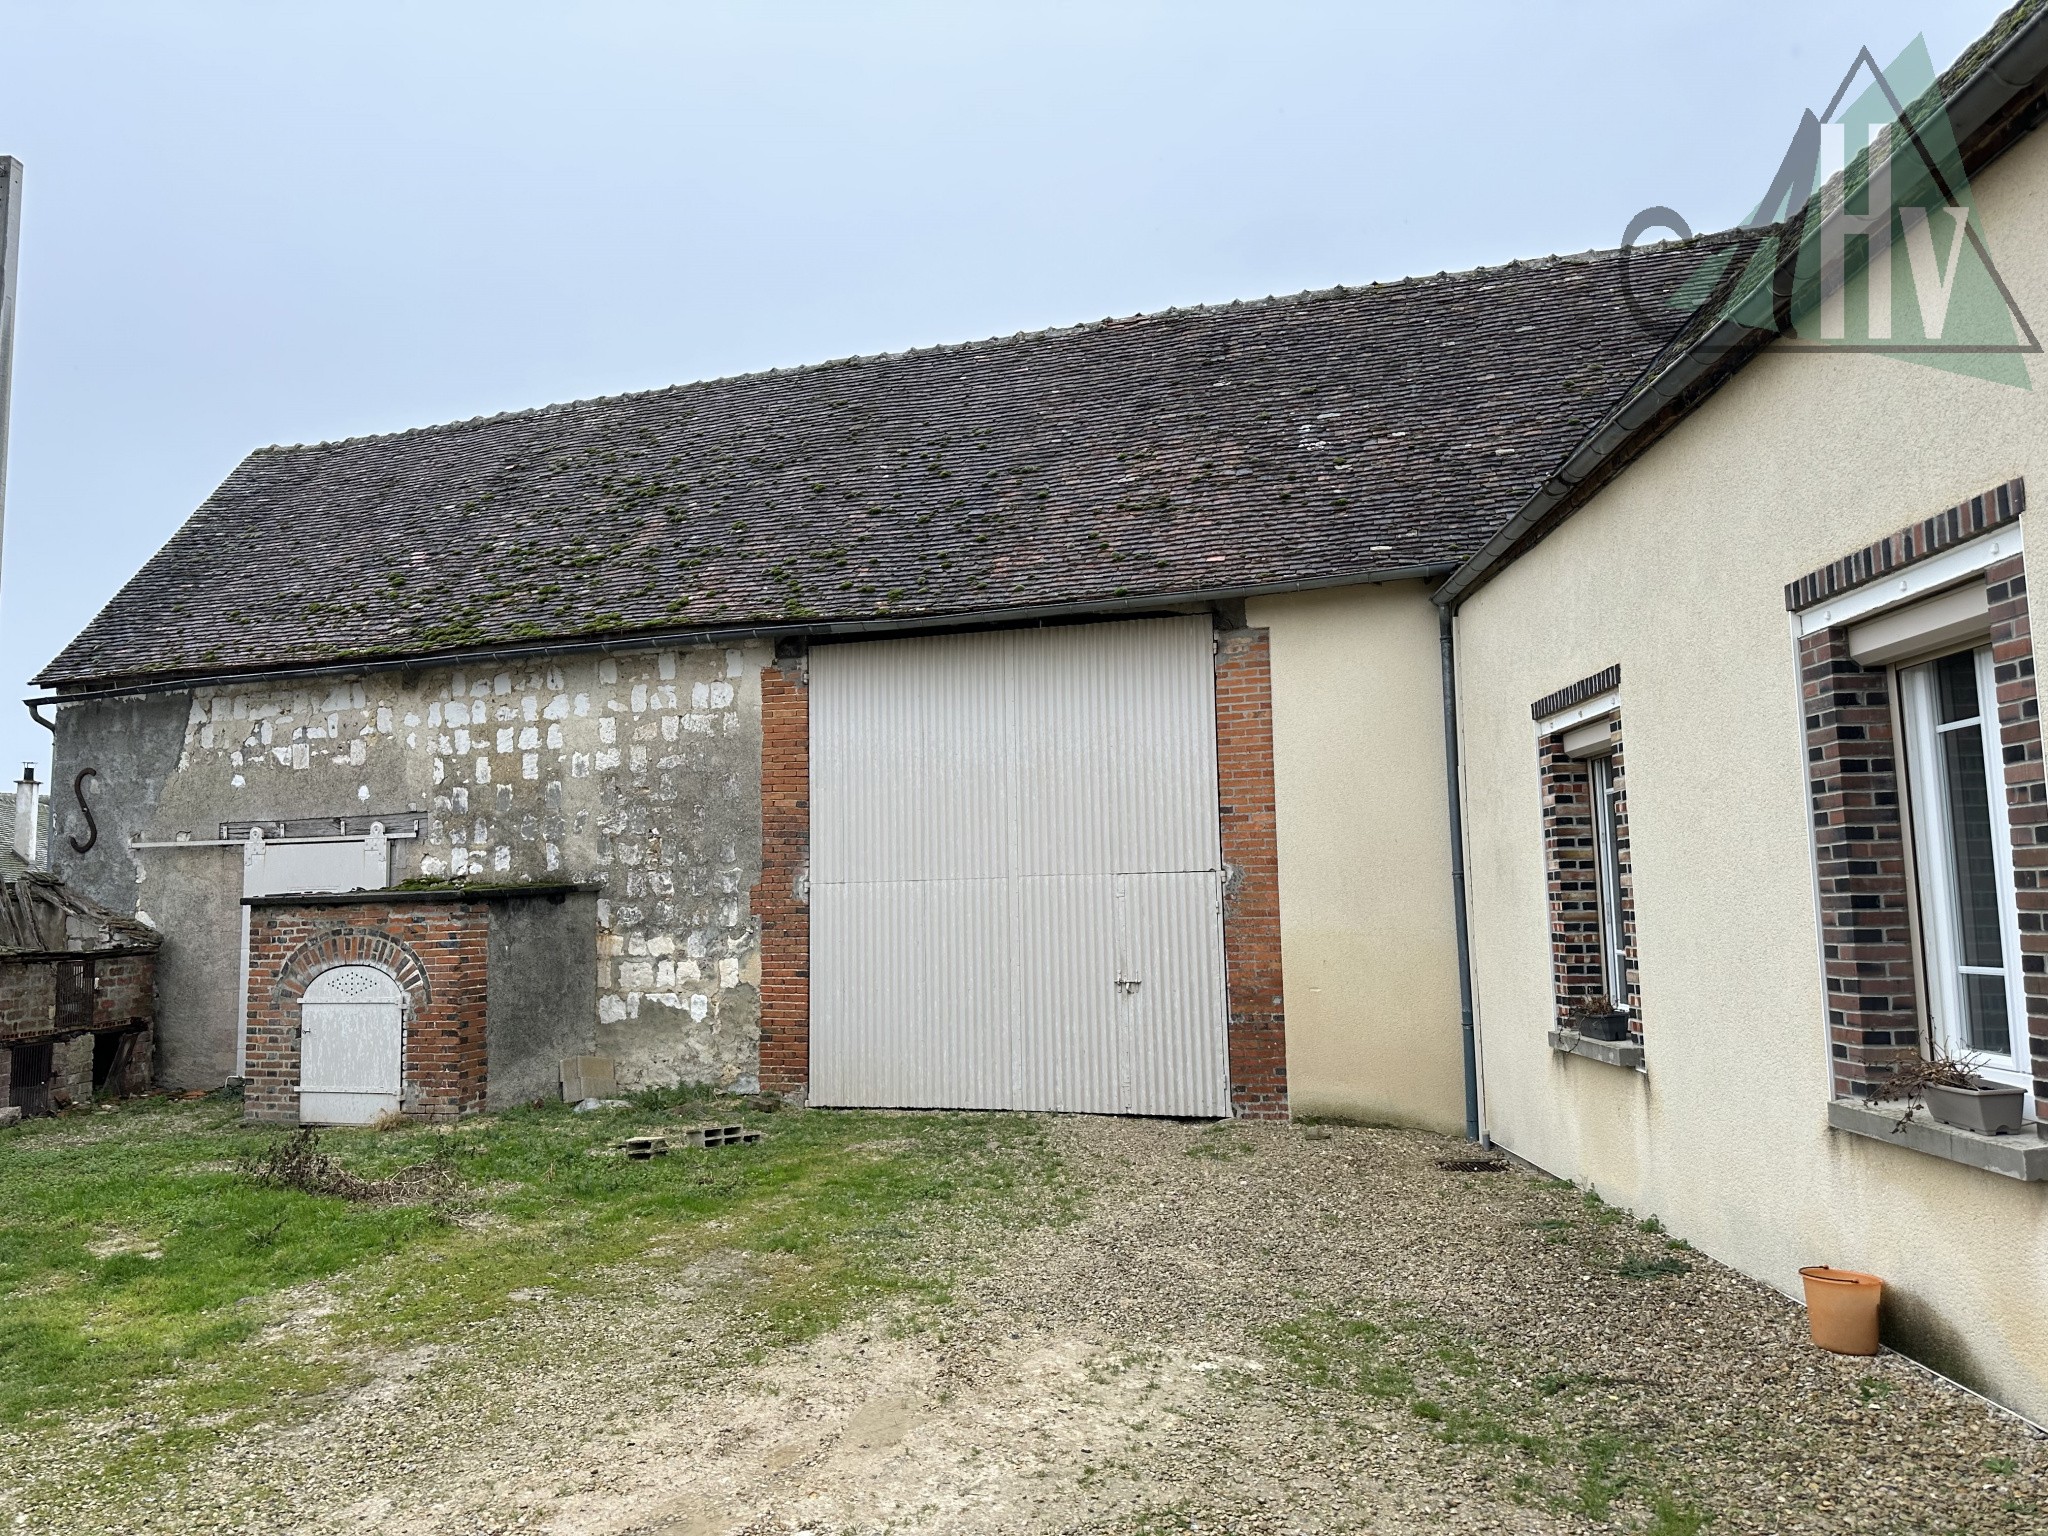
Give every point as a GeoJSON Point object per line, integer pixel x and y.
{"type": "Point", "coordinates": [1052, 722]}
{"type": "Point", "coordinates": [1454, 703]}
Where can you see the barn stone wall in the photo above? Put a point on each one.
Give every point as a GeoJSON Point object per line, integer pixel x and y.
{"type": "Point", "coordinates": [635, 771]}
{"type": "Point", "coordinates": [119, 989]}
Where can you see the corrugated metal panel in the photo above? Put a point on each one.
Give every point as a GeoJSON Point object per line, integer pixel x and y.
{"type": "Point", "coordinates": [1062, 1037]}
{"type": "Point", "coordinates": [1170, 969]}
{"type": "Point", "coordinates": [999, 823]}
{"type": "Point", "coordinates": [919, 996]}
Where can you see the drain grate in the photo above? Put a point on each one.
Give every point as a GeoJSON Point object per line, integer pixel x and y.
{"type": "Point", "coordinates": [1472, 1164]}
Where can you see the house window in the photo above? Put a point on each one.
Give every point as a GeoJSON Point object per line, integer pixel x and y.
{"type": "Point", "coordinates": [1586, 852]}
{"type": "Point", "coordinates": [1607, 822]}
{"type": "Point", "coordinates": [1962, 858]}
{"type": "Point", "coordinates": [1929, 805]}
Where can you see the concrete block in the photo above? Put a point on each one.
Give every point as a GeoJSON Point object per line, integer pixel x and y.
{"type": "Point", "coordinates": [10, 1114]}
{"type": "Point", "coordinates": [2022, 1155]}
{"type": "Point", "coordinates": [718, 1136]}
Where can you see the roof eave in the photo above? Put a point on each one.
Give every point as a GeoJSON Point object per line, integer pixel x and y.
{"type": "Point", "coordinates": [82, 690]}
{"type": "Point", "coordinates": [1977, 105]}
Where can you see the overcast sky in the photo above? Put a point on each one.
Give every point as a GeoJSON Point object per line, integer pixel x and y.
{"type": "Point", "coordinates": [257, 223]}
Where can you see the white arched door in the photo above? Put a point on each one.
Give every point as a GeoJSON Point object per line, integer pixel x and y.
{"type": "Point", "coordinates": [351, 1035]}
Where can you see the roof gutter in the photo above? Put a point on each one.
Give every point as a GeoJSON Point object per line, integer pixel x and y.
{"type": "Point", "coordinates": [838, 629]}
{"type": "Point", "coordinates": [1975, 104]}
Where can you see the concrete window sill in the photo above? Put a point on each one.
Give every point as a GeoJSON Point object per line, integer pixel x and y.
{"type": "Point", "coordinates": [1616, 1053]}
{"type": "Point", "coordinates": [2022, 1156]}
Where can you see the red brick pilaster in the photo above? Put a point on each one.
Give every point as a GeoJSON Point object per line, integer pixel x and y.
{"type": "Point", "coordinates": [1251, 860]}
{"type": "Point", "coordinates": [1571, 858]}
{"type": "Point", "coordinates": [782, 901]}
{"type": "Point", "coordinates": [1859, 848]}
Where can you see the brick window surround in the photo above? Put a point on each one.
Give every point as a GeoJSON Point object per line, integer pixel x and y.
{"type": "Point", "coordinates": [1571, 862]}
{"type": "Point", "coordinates": [1249, 832]}
{"type": "Point", "coordinates": [1858, 807]}
{"type": "Point", "coordinates": [437, 950]}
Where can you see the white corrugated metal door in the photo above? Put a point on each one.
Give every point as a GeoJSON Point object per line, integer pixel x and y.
{"type": "Point", "coordinates": [1015, 874]}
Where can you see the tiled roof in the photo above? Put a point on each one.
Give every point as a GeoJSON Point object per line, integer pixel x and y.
{"type": "Point", "coordinates": [1996, 36]}
{"type": "Point", "coordinates": [1333, 435]}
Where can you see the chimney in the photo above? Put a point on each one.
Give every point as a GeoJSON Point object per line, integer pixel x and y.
{"type": "Point", "coordinates": [27, 806]}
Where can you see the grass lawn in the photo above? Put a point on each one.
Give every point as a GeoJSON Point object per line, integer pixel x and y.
{"type": "Point", "coordinates": [150, 1286]}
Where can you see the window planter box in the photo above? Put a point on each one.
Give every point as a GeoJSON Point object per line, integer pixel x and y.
{"type": "Point", "coordinates": [1599, 1026]}
{"type": "Point", "coordinates": [1989, 1109]}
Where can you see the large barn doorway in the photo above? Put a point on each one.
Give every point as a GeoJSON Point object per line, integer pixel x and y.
{"type": "Point", "coordinates": [1015, 872]}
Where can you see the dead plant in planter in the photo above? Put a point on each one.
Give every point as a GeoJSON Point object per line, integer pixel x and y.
{"type": "Point", "coordinates": [1949, 1071]}
{"type": "Point", "coordinates": [1953, 1092]}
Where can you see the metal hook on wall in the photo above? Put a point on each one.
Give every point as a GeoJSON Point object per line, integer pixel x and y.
{"type": "Point", "coordinates": [92, 827]}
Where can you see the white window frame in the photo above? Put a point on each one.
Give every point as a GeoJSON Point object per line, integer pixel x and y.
{"type": "Point", "coordinates": [1933, 859]}
{"type": "Point", "coordinates": [1607, 879]}
{"type": "Point", "coordinates": [1588, 731]}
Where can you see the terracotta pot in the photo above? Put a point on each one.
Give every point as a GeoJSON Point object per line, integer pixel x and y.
{"type": "Point", "coordinates": [1841, 1309]}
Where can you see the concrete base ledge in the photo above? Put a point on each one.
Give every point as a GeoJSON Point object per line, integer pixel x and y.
{"type": "Point", "coordinates": [2020, 1156]}
{"type": "Point", "coordinates": [1616, 1053]}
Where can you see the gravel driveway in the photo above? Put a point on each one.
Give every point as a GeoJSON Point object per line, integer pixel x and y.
{"type": "Point", "coordinates": [1237, 1328]}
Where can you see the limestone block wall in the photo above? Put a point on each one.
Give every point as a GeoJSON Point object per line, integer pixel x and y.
{"type": "Point", "coordinates": [634, 770]}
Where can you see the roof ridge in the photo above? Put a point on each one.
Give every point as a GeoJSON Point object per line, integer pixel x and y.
{"type": "Point", "coordinates": [942, 348]}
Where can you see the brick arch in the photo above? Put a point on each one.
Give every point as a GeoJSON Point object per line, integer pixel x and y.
{"type": "Point", "coordinates": [355, 946]}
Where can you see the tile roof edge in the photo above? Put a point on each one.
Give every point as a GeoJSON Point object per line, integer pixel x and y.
{"type": "Point", "coordinates": [79, 689]}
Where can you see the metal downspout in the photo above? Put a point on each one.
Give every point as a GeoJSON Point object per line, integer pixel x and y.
{"type": "Point", "coordinates": [1467, 1034]}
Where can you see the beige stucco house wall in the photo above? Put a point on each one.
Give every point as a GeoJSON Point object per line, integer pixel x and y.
{"type": "Point", "coordinates": [1676, 571]}
{"type": "Point", "coordinates": [1367, 934]}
